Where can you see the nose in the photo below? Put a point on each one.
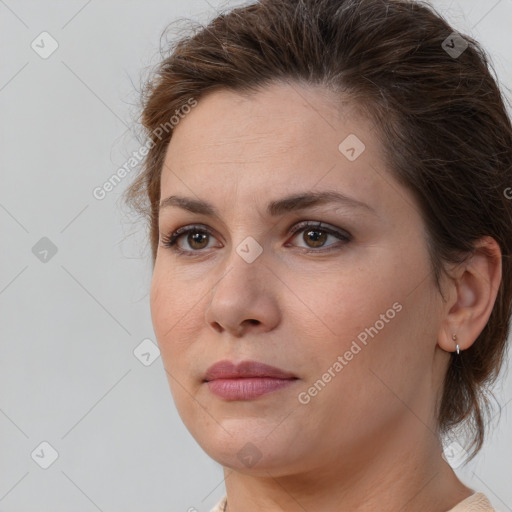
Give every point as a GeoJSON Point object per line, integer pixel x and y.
{"type": "Point", "coordinates": [245, 298]}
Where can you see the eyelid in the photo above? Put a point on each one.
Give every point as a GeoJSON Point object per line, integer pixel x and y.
{"type": "Point", "coordinates": [170, 240]}
{"type": "Point", "coordinates": [321, 226]}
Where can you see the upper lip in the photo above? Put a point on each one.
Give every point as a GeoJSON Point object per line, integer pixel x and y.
{"type": "Point", "coordinates": [245, 369]}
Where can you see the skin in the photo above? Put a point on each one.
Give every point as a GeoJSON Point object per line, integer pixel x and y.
{"type": "Point", "coordinates": [368, 440]}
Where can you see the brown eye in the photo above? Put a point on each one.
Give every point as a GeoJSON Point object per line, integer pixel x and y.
{"type": "Point", "coordinates": [196, 238]}
{"type": "Point", "coordinates": [316, 235]}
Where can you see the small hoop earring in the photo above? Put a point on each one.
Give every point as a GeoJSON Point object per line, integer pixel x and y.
{"type": "Point", "coordinates": [454, 338]}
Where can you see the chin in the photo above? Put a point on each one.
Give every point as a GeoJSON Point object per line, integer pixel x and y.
{"type": "Point", "coordinates": [249, 451]}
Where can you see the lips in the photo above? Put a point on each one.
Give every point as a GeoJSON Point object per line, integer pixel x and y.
{"type": "Point", "coordinates": [245, 369]}
{"type": "Point", "coordinates": [248, 380]}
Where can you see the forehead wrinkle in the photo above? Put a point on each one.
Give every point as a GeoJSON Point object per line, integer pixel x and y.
{"type": "Point", "coordinates": [270, 148]}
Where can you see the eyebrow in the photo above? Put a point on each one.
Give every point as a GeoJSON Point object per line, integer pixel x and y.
{"type": "Point", "coordinates": [275, 208]}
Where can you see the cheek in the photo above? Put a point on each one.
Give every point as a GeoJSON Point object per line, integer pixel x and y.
{"type": "Point", "coordinates": [172, 305]}
{"type": "Point", "coordinates": [339, 304]}
{"type": "Point", "coordinates": [373, 317]}
{"type": "Point", "coordinates": [352, 379]}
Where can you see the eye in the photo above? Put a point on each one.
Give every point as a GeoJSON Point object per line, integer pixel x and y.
{"type": "Point", "coordinates": [196, 238]}
{"type": "Point", "coordinates": [315, 236]}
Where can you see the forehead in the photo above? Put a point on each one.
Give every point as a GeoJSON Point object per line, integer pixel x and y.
{"type": "Point", "coordinates": [284, 138]}
{"type": "Point", "coordinates": [277, 117]}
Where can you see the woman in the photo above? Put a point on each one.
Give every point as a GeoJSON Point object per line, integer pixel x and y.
{"type": "Point", "coordinates": [325, 187]}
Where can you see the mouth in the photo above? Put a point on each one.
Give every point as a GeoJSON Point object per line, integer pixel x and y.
{"type": "Point", "coordinates": [246, 369]}
{"type": "Point", "coordinates": [246, 381]}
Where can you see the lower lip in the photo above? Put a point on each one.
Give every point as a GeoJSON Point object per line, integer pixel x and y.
{"type": "Point", "coordinates": [247, 388]}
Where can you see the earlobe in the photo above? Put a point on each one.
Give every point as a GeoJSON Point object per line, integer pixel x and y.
{"type": "Point", "coordinates": [474, 291]}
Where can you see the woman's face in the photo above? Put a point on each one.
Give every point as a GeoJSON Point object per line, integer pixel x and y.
{"type": "Point", "coordinates": [353, 317]}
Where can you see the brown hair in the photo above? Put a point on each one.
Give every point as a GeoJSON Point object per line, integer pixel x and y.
{"type": "Point", "coordinates": [441, 119]}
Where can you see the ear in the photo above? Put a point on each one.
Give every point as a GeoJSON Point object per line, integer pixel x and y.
{"type": "Point", "coordinates": [472, 294]}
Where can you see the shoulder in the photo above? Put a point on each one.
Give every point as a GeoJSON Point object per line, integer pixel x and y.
{"type": "Point", "coordinates": [477, 502]}
{"type": "Point", "coordinates": [220, 506]}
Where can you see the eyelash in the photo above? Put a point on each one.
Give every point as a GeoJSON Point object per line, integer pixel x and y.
{"type": "Point", "coordinates": [170, 241]}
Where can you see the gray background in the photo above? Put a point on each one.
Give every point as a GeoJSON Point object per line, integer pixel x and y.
{"type": "Point", "coordinates": [69, 325]}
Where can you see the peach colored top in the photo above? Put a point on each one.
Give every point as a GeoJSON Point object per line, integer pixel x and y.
{"type": "Point", "coordinates": [477, 502]}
